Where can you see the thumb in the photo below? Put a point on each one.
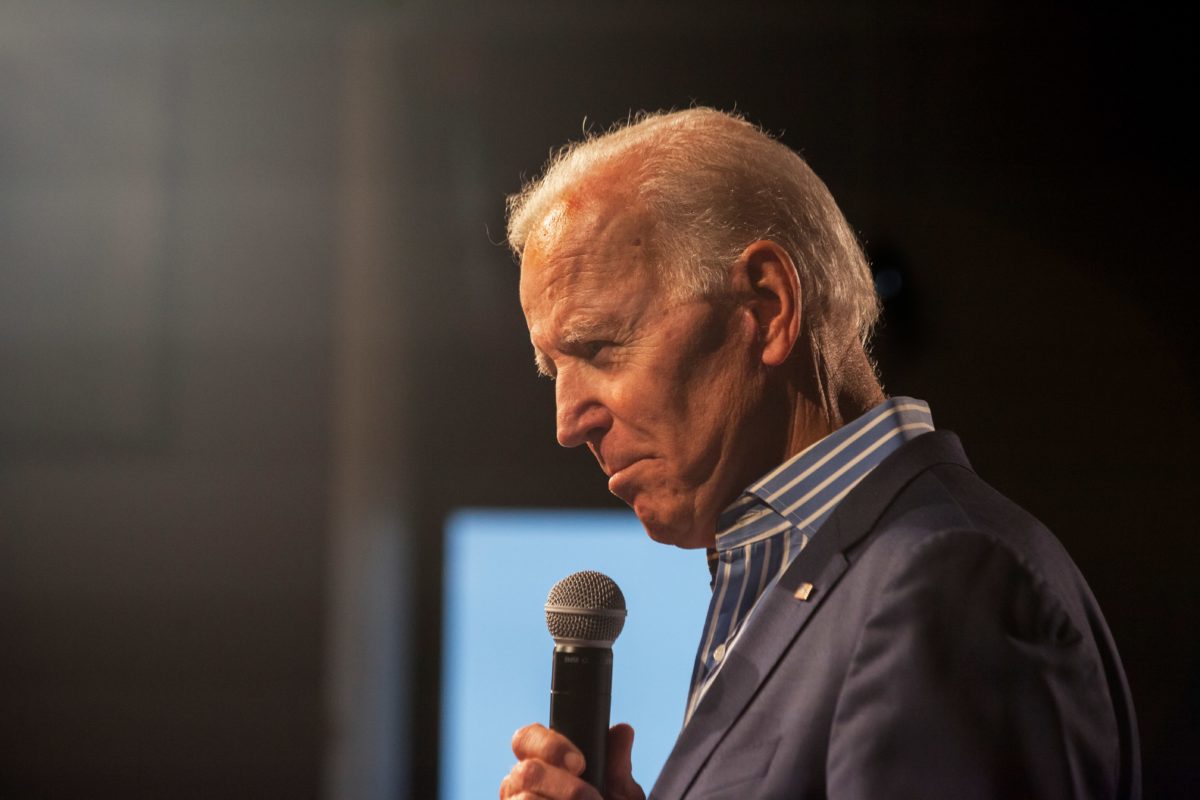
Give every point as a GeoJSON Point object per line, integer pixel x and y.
{"type": "Point", "coordinates": [618, 773]}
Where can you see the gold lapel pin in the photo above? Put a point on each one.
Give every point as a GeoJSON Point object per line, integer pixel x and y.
{"type": "Point", "coordinates": [804, 591]}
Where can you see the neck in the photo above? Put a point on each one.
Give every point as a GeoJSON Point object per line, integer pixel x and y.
{"type": "Point", "coordinates": [805, 401]}
{"type": "Point", "coordinates": [827, 393]}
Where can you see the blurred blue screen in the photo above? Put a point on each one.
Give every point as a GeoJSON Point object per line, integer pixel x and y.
{"type": "Point", "coordinates": [496, 654]}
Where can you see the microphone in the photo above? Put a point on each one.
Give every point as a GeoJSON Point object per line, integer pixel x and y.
{"type": "Point", "coordinates": [584, 614]}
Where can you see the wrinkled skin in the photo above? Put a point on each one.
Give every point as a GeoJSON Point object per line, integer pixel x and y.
{"type": "Point", "coordinates": [682, 401]}
{"type": "Point", "coordinates": [668, 394]}
{"type": "Point", "coordinates": [548, 766]}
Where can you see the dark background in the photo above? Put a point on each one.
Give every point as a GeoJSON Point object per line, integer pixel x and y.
{"type": "Point", "coordinates": [259, 335]}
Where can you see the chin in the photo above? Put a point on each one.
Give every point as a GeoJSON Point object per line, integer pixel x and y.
{"type": "Point", "coordinates": [666, 531]}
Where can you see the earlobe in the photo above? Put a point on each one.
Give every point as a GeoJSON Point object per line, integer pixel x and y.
{"type": "Point", "coordinates": [772, 288]}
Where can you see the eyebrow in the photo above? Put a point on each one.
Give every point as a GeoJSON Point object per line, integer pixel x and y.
{"type": "Point", "coordinates": [576, 331]}
{"type": "Point", "coordinates": [583, 329]}
{"type": "Point", "coordinates": [542, 363]}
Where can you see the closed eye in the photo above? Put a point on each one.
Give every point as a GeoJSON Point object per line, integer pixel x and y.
{"type": "Point", "coordinates": [598, 353]}
{"type": "Point", "coordinates": [594, 348]}
{"type": "Point", "coordinates": [593, 351]}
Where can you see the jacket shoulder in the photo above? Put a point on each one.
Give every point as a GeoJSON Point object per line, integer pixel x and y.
{"type": "Point", "coordinates": [948, 505]}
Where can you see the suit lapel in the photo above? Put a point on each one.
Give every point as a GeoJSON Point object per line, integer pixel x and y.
{"type": "Point", "coordinates": [785, 609]}
{"type": "Point", "coordinates": [761, 644]}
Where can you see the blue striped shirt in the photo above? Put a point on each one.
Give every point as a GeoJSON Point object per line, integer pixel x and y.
{"type": "Point", "coordinates": [762, 531]}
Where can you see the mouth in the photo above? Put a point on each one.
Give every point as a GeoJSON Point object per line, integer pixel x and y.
{"type": "Point", "coordinates": [613, 471]}
{"type": "Point", "coordinates": [619, 479]}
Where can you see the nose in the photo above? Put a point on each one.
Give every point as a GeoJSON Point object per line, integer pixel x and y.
{"type": "Point", "coordinates": [582, 417]}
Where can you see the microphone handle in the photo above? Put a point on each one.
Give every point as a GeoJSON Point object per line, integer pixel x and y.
{"type": "Point", "coordinates": [580, 697]}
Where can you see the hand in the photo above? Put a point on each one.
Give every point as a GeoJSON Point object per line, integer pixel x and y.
{"type": "Point", "coordinates": [548, 766]}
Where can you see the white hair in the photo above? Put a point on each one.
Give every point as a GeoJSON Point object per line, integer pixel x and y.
{"type": "Point", "coordinates": [715, 184]}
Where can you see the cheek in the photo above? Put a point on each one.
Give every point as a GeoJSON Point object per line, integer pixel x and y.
{"type": "Point", "coordinates": [650, 407]}
{"type": "Point", "coordinates": [724, 399]}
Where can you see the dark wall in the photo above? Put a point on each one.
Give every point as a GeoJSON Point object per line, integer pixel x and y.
{"type": "Point", "coordinates": [177, 224]}
{"type": "Point", "coordinates": [1027, 171]}
{"type": "Point", "coordinates": [167, 231]}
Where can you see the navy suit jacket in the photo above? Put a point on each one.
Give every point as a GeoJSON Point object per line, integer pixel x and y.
{"type": "Point", "coordinates": [948, 648]}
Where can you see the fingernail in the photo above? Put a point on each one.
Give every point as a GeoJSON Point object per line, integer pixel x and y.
{"type": "Point", "coordinates": [574, 762]}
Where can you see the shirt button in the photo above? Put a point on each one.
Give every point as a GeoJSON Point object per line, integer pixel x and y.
{"type": "Point", "coordinates": [719, 653]}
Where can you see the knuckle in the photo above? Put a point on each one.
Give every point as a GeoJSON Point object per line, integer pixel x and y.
{"type": "Point", "coordinates": [510, 787]}
{"type": "Point", "coordinates": [528, 773]}
{"type": "Point", "coordinates": [523, 739]}
{"type": "Point", "coordinates": [541, 743]}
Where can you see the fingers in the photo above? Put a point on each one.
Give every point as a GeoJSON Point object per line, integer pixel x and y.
{"type": "Point", "coordinates": [538, 741]}
{"type": "Point", "coordinates": [618, 772]}
{"type": "Point", "coordinates": [547, 769]}
{"type": "Point", "coordinates": [537, 779]}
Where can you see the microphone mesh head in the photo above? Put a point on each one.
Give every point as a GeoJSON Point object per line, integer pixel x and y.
{"type": "Point", "coordinates": [585, 608]}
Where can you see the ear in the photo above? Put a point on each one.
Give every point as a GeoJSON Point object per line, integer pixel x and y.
{"type": "Point", "coordinates": [766, 277]}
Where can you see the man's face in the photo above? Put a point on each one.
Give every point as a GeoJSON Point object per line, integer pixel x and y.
{"type": "Point", "coordinates": [660, 390]}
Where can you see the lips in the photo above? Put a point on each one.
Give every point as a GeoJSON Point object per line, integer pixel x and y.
{"type": "Point", "coordinates": [623, 466]}
{"type": "Point", "coordinates": [620, 481]}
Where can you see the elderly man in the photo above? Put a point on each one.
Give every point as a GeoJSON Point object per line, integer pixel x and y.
{"type": "Point", "coordinates": [883, 623]}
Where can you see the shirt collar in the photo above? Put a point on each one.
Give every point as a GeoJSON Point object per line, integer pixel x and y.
{"type": "Point", "coordinates": [806, 488]}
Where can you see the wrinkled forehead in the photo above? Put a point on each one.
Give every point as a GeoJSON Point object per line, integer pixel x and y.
{"type": "Point", "coordinates": [583, 242]}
